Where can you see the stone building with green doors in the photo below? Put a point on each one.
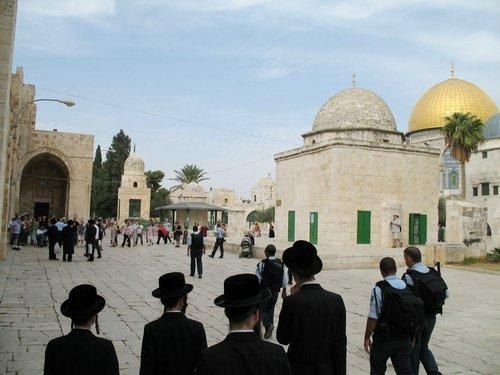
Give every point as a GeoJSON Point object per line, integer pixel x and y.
{"type": "Point", "coordinates": [353, 173]}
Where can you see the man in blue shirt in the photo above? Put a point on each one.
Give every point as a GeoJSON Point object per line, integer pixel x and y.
{"type": "Point", "coordinates": [15, 230]}
{"type": "Point", "coordinates": [219, 241]}
{"type": "Point", "coordinates": [421, 351]}
{"type": "Point", "coordinates": [273, 275]}
{"type": "Point", "coordinates": [385, 345]}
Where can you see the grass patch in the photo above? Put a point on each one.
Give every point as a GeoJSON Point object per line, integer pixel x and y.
{"type": "Point", "coordinates": [489, 262]}
{"type": "Point", "coordinates": [471, 260]}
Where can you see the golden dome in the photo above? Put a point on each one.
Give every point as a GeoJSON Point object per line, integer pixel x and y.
{"type": "Point", "coordinates": [446, 98]}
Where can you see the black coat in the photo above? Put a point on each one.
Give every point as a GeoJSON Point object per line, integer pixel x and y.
{"type": "Point", "coordinates": [312, 323]}
{"type": "Point", "coordinates": [172, 345]}
{"type": "Point", "coordinates": [68, 238]}
{"type": "Point", "coordinates": [90, 233]}
{"type": "Point", "coordinates": [80, 353]}
{"type": "Point", "coordinates": [53, 233]}
{"type": "Point", "coordinates": [243, 354]}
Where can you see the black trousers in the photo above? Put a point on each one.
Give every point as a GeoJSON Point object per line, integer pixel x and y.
{"type": "Point", "coordinates": [421, 351]}
{"type": "Point", "coordinates": [68, 252]}
{"type": "Point", "coordinates": [52, 255]}
{"type": "Point", "coordinates": [139, 235]}
{"type": "Point", "coordinates": [196, 263]}
{"type": "Point", "coordinates": [126, 238]}
{"type": "Point", "coordinates": [219, 243]}
{"type": "Point", "coordinates": [267, 309]}
{"type": "Point", "coordinates": [95, 246]}
{"type": "Point", "coordinates": [160, 236]}
{"type": "Point", "coordinates": [398, 350]}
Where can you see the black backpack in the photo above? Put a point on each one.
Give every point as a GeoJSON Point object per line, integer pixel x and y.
{"type": "Point", "coordinates": [272, 274]}
{"type": "Point", "coordinates": [431, 288]}
{"type": "Point", "coordinates": [402, 311]}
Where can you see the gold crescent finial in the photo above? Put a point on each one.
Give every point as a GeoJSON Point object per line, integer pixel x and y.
{"type": "Point", "coordinates": [452, 69]}
{"type": "Point", "coordinates": [354, 80]}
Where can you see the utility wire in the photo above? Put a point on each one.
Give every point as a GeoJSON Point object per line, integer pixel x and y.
{"type": "Point", "coordinates": [177, 119]}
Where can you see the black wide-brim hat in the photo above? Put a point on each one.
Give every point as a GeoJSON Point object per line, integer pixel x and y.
{"type": "Point", "coordinates": [83, 302]}
{"type": "Point", "coordinates": [303, 258]}
{"type": "Point", "coordinates": [241, 291]}
{"type": "Point", "coordinates": [172, 285]}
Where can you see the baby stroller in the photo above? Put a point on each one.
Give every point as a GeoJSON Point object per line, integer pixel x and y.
{"type": "Point", "coordinates": [41, 240]}
{"type": "Point", "coordinates": [246, 246]}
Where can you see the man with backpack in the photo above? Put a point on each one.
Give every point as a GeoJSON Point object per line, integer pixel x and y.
{"type": "Point", "coordinates": [272, 276]}
{"type": "Point", "coordinates": [394, 316]}
{"type": "Point", "coordinates": [426, 283]}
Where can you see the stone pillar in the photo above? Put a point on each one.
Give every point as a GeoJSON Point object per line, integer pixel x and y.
{"type": "Point", "coordinates": [8, 10]}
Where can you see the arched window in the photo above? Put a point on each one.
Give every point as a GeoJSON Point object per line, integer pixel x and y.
{"type": "Point", "coordinates": [453, 180]}
{"type": "Point", "coordinates": [135, 184]}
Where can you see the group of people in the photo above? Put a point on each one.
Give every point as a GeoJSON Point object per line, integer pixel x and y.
{"type": "Point", "coordinates": [312, 323]}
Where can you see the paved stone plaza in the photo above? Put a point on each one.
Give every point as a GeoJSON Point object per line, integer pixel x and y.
{"type": "Point", "coordinates": [466, 340]}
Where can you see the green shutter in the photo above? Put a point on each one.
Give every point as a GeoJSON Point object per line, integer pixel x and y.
{"type": "Point", "coordinates": [291, 226]}
{"type": "Point", "coordinates": [410, 230]}
{"type": "Point", "coordinates": [364, 227]}
{"type": "Point", "coordinates": [313, 228]}
{"type": "Point", "coordinates": [422, 230]}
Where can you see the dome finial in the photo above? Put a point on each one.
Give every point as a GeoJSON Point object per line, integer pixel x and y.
{"type": "Point", "coordinates": [452, 69]}
{"type": "Point", "coordinates": [354, 80]}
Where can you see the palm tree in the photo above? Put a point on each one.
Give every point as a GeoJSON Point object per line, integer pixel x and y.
{"type": "Point", "coordinates": [463, 133]}
{"type": "Point", "coordinates": [190, 173]}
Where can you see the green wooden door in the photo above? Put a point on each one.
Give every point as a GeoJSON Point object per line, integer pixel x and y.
{"type": "Point", "coordinates": [313, 228]}
{"type": "Point", "coordinates": [417, 231]}
{"type": "Point", "coordinates": [291, 226]}
{"type": "Point", "coordinates": [364, 227]}
{"type": "Point", "coordinates": [422, 230]}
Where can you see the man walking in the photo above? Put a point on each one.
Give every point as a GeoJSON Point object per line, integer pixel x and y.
{"type": "Point", "coordinates": [68, 241]}
{"type": "Point", "coordinates": [15, 230]}
{"type": "Point", "coordinates": [272, 276]}
{"type": "Point", "coordinates": [396, 231]}
{"type": "Point", "coordinates": [219, 241]}
{"type": "Point", "coordinates": [139, 230]}
{"type": "Point", "coordinates": [243, 352]}
{"type": "Point", "coordinates": [126, 233]}
{"type": "Point", "coordinates": [426, 283]}
{"type": "Point", "coordinates": [171, 345]}
{"type": "Point", "coordinates": [312, 320]}
{"type": "Point", "coordinates": [196, 249]}
{"type": "Point", "coordinates": [395, 313]}
{"type": "Point", "coordinates": [53, 237]}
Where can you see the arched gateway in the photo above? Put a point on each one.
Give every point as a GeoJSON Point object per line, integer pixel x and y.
{"type": "Point", "coordinates": [44, 189]}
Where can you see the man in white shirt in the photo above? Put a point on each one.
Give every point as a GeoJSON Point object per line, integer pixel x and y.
{"type": "Point", "coordinates": [396, 231]}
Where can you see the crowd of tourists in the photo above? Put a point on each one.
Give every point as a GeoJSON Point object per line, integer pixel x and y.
{"type": "Point", "coordinates": [312, 323]}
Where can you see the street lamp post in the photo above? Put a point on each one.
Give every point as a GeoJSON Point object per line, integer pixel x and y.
{"type": "Point", "coordinates": [14, 144]}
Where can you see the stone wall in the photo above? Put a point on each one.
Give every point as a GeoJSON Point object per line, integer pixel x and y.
{"type": "Point", "coordinates": [485, 169]}
{"type": "Point", "coordinates": [8, 11]}
{"type": "Point", "coordinates": [466, 224]}
{"type": "Point", "coordinates": [338, 179]}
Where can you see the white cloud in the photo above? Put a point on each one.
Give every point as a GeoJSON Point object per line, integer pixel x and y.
{"type": "Point", "coordinates": [69, 8]}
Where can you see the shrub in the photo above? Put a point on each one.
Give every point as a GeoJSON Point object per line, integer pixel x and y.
{"type": "Point", "coordinates": [494, 256]}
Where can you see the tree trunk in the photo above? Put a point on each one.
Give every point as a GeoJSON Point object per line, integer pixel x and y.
{"type": "Point", "coordinates": [462, 167]}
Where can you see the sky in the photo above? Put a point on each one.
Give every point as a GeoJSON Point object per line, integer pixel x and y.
{"type": "Point", "coordinates": [226, 84]}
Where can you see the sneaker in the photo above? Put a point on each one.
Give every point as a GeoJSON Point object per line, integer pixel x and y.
{"type": "Point", "coordinates": [99, 256]}
{"type": "Point", "coordinates": [199, 276]}
{"type": "Point", "coordinates": [191, 274]}
{"type": "Point", "coordinates": [211, 256]}
{"type": "Point", "coordinates": [269, 332]}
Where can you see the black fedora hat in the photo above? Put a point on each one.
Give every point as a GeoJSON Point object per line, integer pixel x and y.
{"type": "Point", "coordinates": [172, 285]}
{"type": "Point", "coordinates": [242, 290]}
{"type": "Point", "coordinates": [83, 302]}
{"type": "Point", "coordinates": [303, 258]}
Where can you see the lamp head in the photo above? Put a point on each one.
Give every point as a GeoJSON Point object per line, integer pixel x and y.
{"type": "Point", "coordinates": [68, 103]}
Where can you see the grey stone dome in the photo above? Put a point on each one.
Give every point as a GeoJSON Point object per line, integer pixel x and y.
{"type": "Point", "coordinates": [352, 109]}
{"type": "Point", "coordinates": [492, 127]}
{"type": "Point", "coordinates": [133, 165]}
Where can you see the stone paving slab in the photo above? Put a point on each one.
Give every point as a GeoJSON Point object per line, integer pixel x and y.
{"type": "Point", "coordinates": [466, 339]}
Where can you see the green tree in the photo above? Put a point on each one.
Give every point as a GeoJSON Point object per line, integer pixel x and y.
{"type": "Point", "coordinates": [96, 195]}
{"type": "Point", "coordinates": [442, 211]}
{"type": "Point", "coordinates": [154, 179]}
{"type": "Point", "coordinates": [463, 133]}
{"type": "Point", "coordinates": [189, 173]}
{"type": "Point", "coordinates": [266, 215]}
{"type": "Point", "coordinates": [159, 198]}
{"type": "Point", "coordinates": [112, 170]}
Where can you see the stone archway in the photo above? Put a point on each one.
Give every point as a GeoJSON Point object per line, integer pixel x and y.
{"type": "Point", "coordinates": [44, 187]}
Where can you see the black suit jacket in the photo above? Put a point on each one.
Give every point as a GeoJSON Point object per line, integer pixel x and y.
{"type": "Point", "coordinates": [312, 323]}
{"type": "Point", "coordinates": [80, 353]}
{"type": "Point", "coordinates": [53, 233]}
{"type": "Point", "coordinates": [243, 354]}
{"type": "Point", "coordinates": [172, 345]}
